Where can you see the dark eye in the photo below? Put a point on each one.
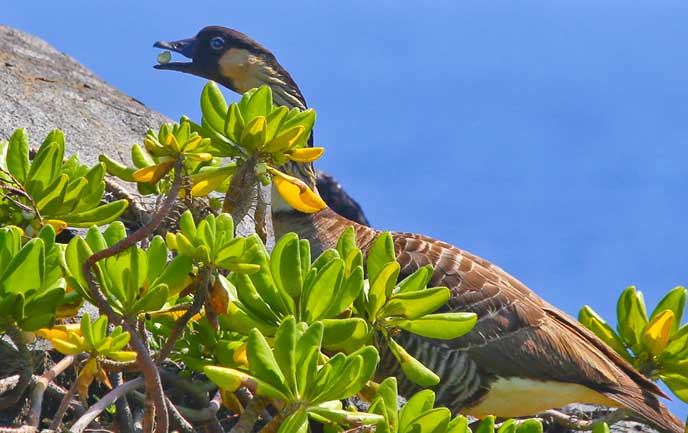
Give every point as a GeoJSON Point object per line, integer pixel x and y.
{"type": "Point", "coordinates": [217, 43]}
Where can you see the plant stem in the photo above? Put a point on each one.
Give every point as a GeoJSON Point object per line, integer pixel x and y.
{"type": "Point", "coordinates": [42, 384]}
{"type": "Point", "coordinates": [148, 367]}
{"type": "Point", "coordinates": [238, 199]}
{"type": "Point", "coordinates": [573, 423]}
{"type": "Point", "coordinates": [109, 398]}
{"type": "Point", "coordinates": [250, 416]}
{"type": "Point", "coordinates": [64, 404]}
{"type": "Point", "coordinates": [180, 325]}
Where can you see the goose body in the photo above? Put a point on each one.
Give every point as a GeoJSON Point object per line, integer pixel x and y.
{"type": "Point", "coordinates": [523, 356]}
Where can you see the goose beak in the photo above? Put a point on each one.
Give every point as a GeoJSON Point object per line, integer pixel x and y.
{"type": "Point", "coordinates": [185, 47]}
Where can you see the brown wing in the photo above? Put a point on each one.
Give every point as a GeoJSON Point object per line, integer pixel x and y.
{"type": "Point", "coordinates": [517, 333]}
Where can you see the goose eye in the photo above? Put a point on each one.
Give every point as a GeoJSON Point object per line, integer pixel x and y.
{"type": "Point", "coordinates": [217, 42]}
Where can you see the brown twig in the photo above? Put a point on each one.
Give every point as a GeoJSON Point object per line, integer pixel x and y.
{"type": "Point", "coordinates": [237, 202]}
{"type": "Point", "coordinates": [123, 416]}
{"type": "Point", "coordinates": [148, 367]}
{"type": "Point", "coordinates": [260, 213]}
{"type": "Point", "coordinates": [250, 416]}
{"type": "Point", "coordinates": [135, 208]}
{"type": "Point", "coordinates": [109, 398]}
{"type": "Point", "coordinates": [41, 386]}
{"type": "Point", "coordinates": [25, 363]}
{"type": "Point", "coordinates": [191, 390]}
{"type": "Point", "coordinates": [574, 423]}
{"type": "Point", "coordinates": [180, 324]}
{"type": "Point", "coordinates": [64, 404]}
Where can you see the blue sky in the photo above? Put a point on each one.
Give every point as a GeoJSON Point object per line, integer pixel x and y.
{"type": "Point", "coordinates": [548, 137]}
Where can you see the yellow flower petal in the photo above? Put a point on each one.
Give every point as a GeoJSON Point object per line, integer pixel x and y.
{"type": "Point", "coordinates": [201, 156]}
{"type": "Point", "coordinates": [171, 140]}
{"type": "Point", "coordinates": [657, 332]}
{"type": "Point", "coordinates": [153, 173]}
{"type": "Point", "coordinates": [296, 193]}
{"type": "Point", "coordinates": [305, 154]}
{"type": "Point", "coordinates": [65, 347]}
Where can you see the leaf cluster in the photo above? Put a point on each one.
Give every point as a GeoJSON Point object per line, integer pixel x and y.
{"type": "Point", "coordinates": [656, 344]}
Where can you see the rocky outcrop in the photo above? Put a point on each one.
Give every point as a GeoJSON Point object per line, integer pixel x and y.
{"type": "Point", "coordinates": [43, 89]}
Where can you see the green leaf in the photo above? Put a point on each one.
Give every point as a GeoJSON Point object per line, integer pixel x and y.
{"type": "Point", "coordinates": [460, 425]}
{"type": "Point", "coordinates": [259, 104]}
{"type": "Point", "coordinates": [252, 301]}
{"type": "Point", "coordinates": [631, 315]}
{"type": "Point", "coordinates": [100, 215]}
{"type": "Point", "coordinates": [412, 368]}
{"type": "Point", "coordinates": [349, 290]}
{"type": "Point", "coordinates": [321, 290]}
{"type": "Point", "coordinates": [242, 321]}
{"type": "Point", "coordinates": [530, 426]}
{"type": "Point", "coordinates": [116, 168]}
{"type": "Point", "coordinates": [387, 391]}
{"type": "Point", "coordinates": [419, 403]}
{"type": "Point", "coordinates": [600, 427]}
{"type": "Point", "coordinates": [380, 254]}
{"type": "Point", "coordinates": [44, 169]}
{"type": "Point", "coordinates": [274, 121]}
{"type": "Point", "coordinates": [18, 155]}
{"type": "Point", "coordinates": [234, 123]}
{"type": "Point", "coordinates": [285, 342]}
{"type": "Point", "coordinates": [346, 417]}
{"type": "Point", "coordinates": [443, 326]}
{"type": "Point", "coordinates": [213, 107]}
{"type": "Point", "coordinates": [412, 305]}
{"type": "Point", "coordinates": [51, 201]}
{"type": "Point", "coordinates": [152, 300]}
{"type": "Point", "coordinates": [417, 280]}
{"type": "Point", "coordinates": [285, 263]}
{"type": "Point", "coordinates": [345, 334]}
{"type": "Point", "coordinates": [433, 421]}
{"type": "Point", "coordinates": [675, 301]}
{"type": "Point", "coordinates": [295, 423]}
{"type": "Point", "coordinates": [263, 365]}
{"type": "Point", "coordinates": [295, 118]}
{"type": "Point", "coordinates": [486, 425]}
{"type": "Point", "coordinates": [231, 379]}
{"type": "Point", "coordinates": [25, 271]}
{"type": "Point", "coordinates": [381, 287]}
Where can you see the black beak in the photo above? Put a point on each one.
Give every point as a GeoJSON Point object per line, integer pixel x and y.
{"type": "Point", "coordinates": [185, 47]}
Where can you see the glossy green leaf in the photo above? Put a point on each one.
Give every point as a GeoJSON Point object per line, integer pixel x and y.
{"type": "Point", "coordinates": [675, 301]}
{"type": "Point", "coordinates": [295, 423]}
{"type": "Point", "coordinates": [18, 154]}
{"type": "Point", "coordinates": [418, 280]}
{"type": "Point", "coordinates": [631, 315]}
{"type": "Point", "coordinates": [345, 334]}
{"type": "Point", "coordinates": [414, 304]}
{"type": "Point", "coordinates": [600, 427]}
{"type": "Point", "coordinates": [530, 426]}
{"type": "Point", "coordinates": [346, 417]}
{"type": "Point", "coordinates": [381, 286]}
{"type": "Point", "coordinates": [318, 295]}
{"type": "Point", "coordinates": [486, 425]}
{"type": "Point", "coordinates": [412, 368]}
{"type": "Point", "coordinates": [262, 363]}
{"type": "Point", "coordinates": [419, 403]}
{"type": "Point", "coordinates": [213, 107]}
{"type": "Point", "coordinates": [100, 215]}
{"type": "Point", "coordinates": [381, 252]}
{"type": "Point", "coordinates": [444, 326]}
{"type": "Point", "coordinates": [285, 263]}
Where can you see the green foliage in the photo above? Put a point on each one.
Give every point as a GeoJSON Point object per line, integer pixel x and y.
{"type": "Point", "coordinates": [212, 243]}
{"type": "Point", "coordinates": [419, 415]}
{"type": "Point", "coordinates": [91, 338]}
{"type": "Point", "coordinates": [133, 281]}
{"type": "Point", "coordinates": [657, 345]}
{"type": "Point", "coordinates": [31, 286]}
{"type": "Point", "coordinates": [50, 190]}
{"type": "Point", "coordinates": [293, 373]}
{"type": "Point", "coordinates": [153, 161]}
{"type": "Point", "coordinates": [332, 289]}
